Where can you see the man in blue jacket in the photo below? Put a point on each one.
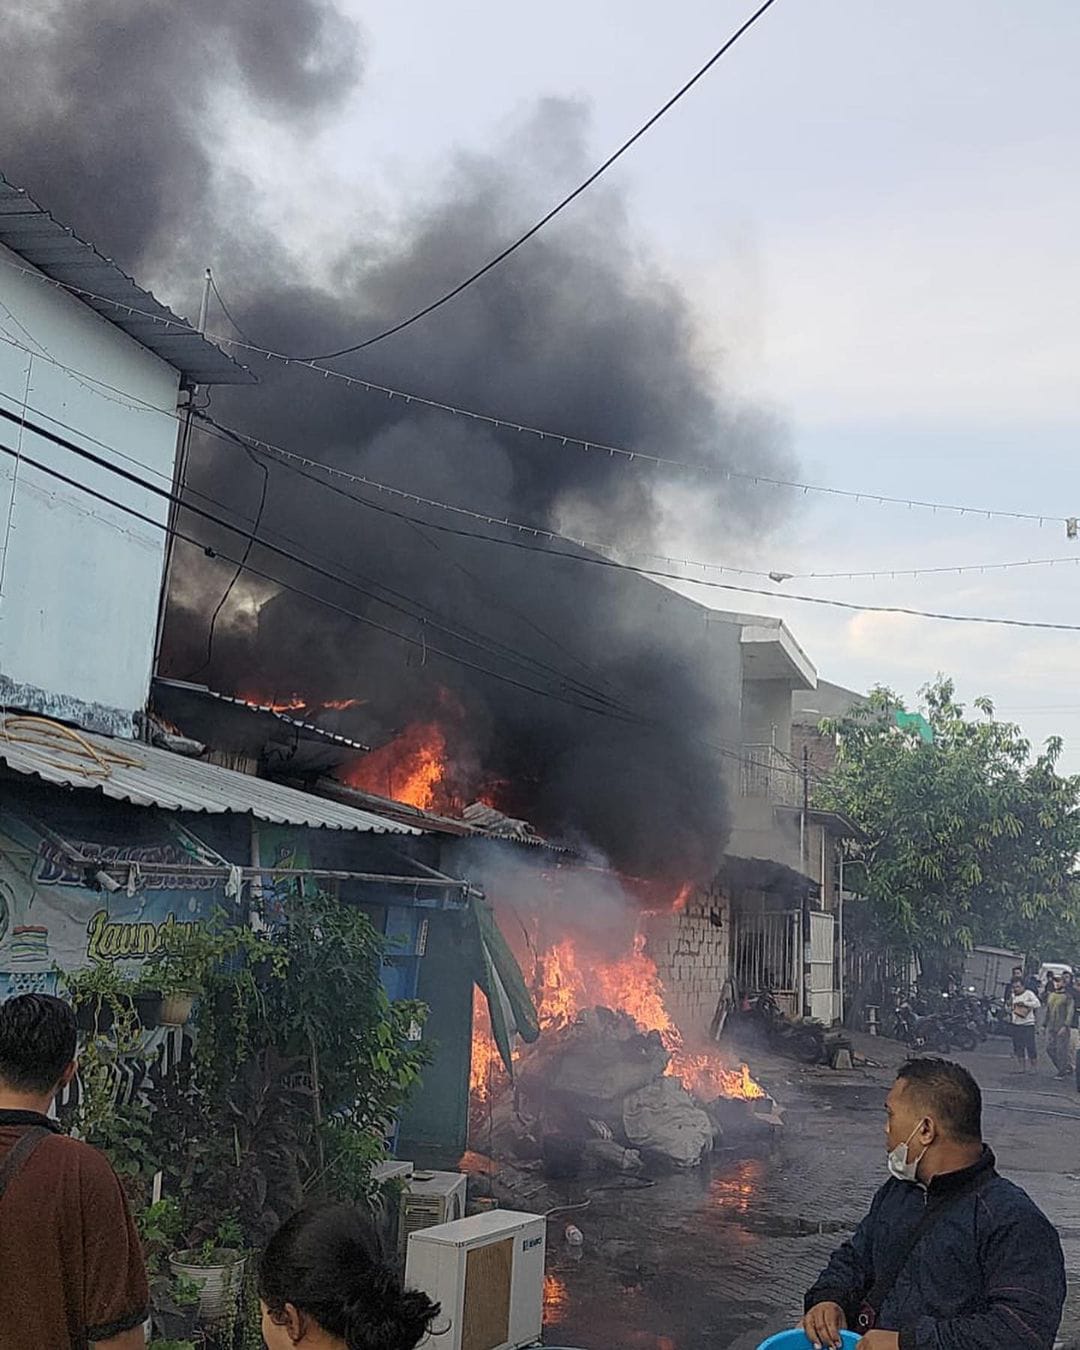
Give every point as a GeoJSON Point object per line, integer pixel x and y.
{"type": "Point", "coordinates": [951, 1256]}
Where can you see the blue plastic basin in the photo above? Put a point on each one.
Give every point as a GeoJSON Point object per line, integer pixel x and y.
{"type": "Point", "coordinates": [797, 1340]}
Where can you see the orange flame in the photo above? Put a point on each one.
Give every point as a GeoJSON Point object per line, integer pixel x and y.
{"type": "Point", "coordinates": [569, 981]}
{"type": "Point", "coordinates": [409, 769]}
{"type": "Point", "coordinates": [486, 1068]}
{"type": "Point", "coordinates": [294, 703]}
{"type": "Point", "coordinates": [340, 704]}
{"type": "Point", "coordinates": [556, 1299]}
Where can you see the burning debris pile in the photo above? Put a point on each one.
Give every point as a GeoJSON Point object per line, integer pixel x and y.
{"type": "Point", "coordinates": [610, 1084]}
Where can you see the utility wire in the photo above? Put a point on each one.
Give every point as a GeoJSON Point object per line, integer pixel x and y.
{"type": "Point", "coordinates": [424, 613]}
{"type": "Point", "coordinates": [538, 532]}
{"type": "Point", "coordinates": [602, 700]}
{"type": "Point", "coordinates": [212, 628]}
{"type": "Point", "coordinates": [597, 561]}
{"type": "Point", "coordinates": [544, 220]}
{"type": "Point", "coordinates": [621, 453]}
{"type": "Point", "coordinates": [776, 575]}
{"type": "Point", "coordinates": [175, 532]}
{"type": "Point", "coordinates": [225, 308]}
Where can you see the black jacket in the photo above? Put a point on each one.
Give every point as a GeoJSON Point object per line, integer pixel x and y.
{"type": "Point", "coordinates": [988, 1274]}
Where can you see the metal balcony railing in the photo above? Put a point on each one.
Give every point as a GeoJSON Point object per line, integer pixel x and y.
{"type": "Point", "coordinates": [768, 774]}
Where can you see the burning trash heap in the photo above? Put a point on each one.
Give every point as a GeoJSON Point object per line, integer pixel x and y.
{"type": "Point", "coordinates": [610, 1084]}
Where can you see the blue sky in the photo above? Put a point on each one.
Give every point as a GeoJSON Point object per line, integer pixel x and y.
{"type": "Point", "coordinates": [876, 209]}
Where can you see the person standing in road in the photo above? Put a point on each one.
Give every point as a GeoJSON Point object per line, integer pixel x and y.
{"type": "Point", "coordinates": [71, 1266]}
{"type": "Point", "coordinates": [1024, 1007]}
{"type": "Point", "coordinates": [951, 1255]}
{"type": "Point", "coordinates": [1060, 1010]}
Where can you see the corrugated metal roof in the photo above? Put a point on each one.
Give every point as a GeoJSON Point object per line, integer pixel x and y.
{"type": "Point", "coordinates": [55, 250]}
{"type": "Point", "coordinates": [130, 771]}
{"type": "Point", "coordinates": [202, 691]}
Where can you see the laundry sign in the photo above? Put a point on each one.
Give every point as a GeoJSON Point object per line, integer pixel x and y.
{"type": "Point", "coordinates": [52, 915]}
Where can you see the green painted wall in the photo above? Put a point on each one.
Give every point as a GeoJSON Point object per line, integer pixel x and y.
{"type": "Point", "coordinates": [435, 1122]}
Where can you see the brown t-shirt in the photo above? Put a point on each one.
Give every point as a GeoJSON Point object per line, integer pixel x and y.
{"type": "Point", "coordinates": [71, 1267]}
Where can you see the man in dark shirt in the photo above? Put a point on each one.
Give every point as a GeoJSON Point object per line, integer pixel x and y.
{"type": "Point", "coordinates": [986, 1270]}
{"type": "Point", "coordinates": [71, 1267]}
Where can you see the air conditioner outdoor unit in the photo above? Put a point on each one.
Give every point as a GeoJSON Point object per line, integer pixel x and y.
{"type": "Point", "coordinates": [487, 1273]}
{"type": "Point", "coordinates": [430, 1198]}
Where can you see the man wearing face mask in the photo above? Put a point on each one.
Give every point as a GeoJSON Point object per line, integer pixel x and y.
{"type": "Point", "coordinates": [951, 1256]}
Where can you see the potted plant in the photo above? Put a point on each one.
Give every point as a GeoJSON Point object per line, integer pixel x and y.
{"type": "Point", "coordinates": [169, 987]}
{"type": "Point", "coordinates": [100, 995]}
{"type": "Point", "coordinates": [216, 1268]}
{"type": "Point", "coordinates": [147, 1003]}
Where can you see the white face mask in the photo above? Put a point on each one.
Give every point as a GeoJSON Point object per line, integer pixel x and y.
{"type": "Point", "coordinates": [899, 1160]}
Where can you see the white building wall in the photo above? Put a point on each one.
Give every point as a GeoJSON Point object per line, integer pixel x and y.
{"type": "Point", "coordinates": [79, 578]}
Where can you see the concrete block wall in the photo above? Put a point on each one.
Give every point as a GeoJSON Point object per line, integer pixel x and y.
{"type": "Point", "coordinates": [691, 949]}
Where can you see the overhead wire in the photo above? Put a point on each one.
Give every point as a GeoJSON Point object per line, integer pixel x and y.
{"type": "Point", "coordinates": [566, 439]}
{"type": "Point", "coordinates": [659, 574]}
{"type": "Point", "coordinates": [491, 647]}
{"type": "Point", "coordinates": [326, 602]}
{"type": "Point", "coordinates": [224, 307]}
{"type": "Point", "coordinates": [614, 713]}
{"type": "Point", "coordinates": [594, 560]}
{"type": "Point", "coordinates": [778, 575]}
{"type": "Point", "coordinates": [212, 627]}
{"type": "Point", "coordinates": [555, 210]}
{"type": "Point", "coordinates": [540, 532]}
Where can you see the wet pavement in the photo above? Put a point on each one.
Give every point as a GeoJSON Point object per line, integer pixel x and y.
{"type": "Point", "coordinates": [719, 1258]}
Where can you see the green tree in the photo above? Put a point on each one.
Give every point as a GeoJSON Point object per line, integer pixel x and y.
{"type": "Point", "coordinates": [971, 838]}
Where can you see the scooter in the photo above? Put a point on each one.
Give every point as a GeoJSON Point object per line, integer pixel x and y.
{"type": "Point", "coordinates": [804, 1040]}
{"type": "Point", "coordinates": [921, 1033]}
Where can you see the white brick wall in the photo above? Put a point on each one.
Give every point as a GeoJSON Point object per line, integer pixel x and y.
{"type": "Point", "coordinates": [692, 957]}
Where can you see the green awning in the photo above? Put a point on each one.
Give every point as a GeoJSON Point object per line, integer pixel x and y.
{"type": "Point", "coordinates": [499, 977]}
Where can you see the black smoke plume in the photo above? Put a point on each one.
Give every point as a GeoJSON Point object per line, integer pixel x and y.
{"type": "Point", "coordinates": [109, 120]}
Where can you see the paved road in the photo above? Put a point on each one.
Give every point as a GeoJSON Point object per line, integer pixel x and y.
{"type": "Point", "coordinates": [717, 1259]}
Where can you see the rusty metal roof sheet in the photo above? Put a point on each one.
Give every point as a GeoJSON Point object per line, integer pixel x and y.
{"type": "Point", "coordinates": [59, 254]}
{"type": "Point", "coordinates": [131, 771]}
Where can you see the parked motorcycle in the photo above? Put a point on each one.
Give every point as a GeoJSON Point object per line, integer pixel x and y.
{"type": "Point", "coordinates": [920, 1032]}
{"type": "Point", "coordinates": [804, 1040]}
{"type": "Point", "coordinates": [960, 1030]}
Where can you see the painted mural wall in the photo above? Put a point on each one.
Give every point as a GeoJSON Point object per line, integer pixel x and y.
{"type": "Point", "coordinates": [52, 916]}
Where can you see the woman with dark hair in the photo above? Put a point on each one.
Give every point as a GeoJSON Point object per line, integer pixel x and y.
{"type": "Point", "coordinates": [323, 1285]}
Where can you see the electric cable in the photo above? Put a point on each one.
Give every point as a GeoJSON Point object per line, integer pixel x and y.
{"type": "Point", "coordinates": [225, 308]}
{"type": "Point", "coordinates": [424, 613]}
{"type": "Point", "coordinates": [539, 532]}
{"type": "Point", "coordinates": [555, 210]}
{"type": "Point", "coordinates": [363, 619]}
{"type": "Point", "coordinates": [564, 439]}
{"type": "Point", "coordinates": [212, 628]}
{"type": "Point", "coordinates": [324, 601]}
{"type": "Point", "coordinates": [611, 563]}
{"type": "Point", "coordinates": [603, 702]}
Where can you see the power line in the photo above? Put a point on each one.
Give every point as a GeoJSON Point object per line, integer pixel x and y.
{"type": "Point", "coordinates": [212, 628]}
{"type": "Point", "coordinates": [564, 440]}
{"type": "Point", "coordinates": [424, 615]}
{"type": "Point", "coordinates": [778, 575]}
{"type": "Point", "coordinates": [544, 220]}
{"type": "Point", "coordinates": [569, 682]}
{"type": "Point", "coordinates": [538, 532]}
{"type": "Point", "coordinates": [175, 532]}
{"type": "Point", "coordinates": [224, 307]}
{"type": "Point", "coordinates": [597, 561]}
